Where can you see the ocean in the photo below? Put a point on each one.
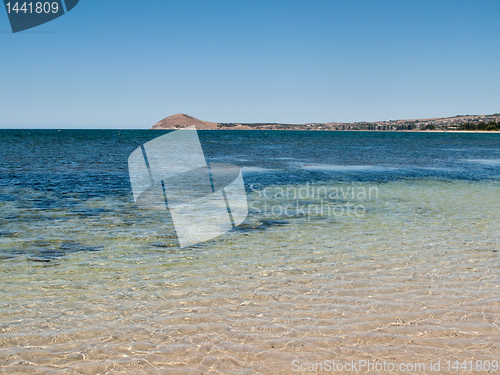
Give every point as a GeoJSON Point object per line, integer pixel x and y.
{"type": "Point", "coordinates": [359, 248]}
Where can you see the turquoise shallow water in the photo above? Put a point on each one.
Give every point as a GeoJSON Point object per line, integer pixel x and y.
{"type": "Point", "coordinates": [405, 269]}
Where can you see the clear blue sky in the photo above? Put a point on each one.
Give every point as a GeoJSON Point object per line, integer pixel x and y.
{"type": "Point", "coordinates": [128, 64]}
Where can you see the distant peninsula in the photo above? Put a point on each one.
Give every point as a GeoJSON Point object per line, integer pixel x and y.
{"type": "Point", "coordinates": [455, 123]}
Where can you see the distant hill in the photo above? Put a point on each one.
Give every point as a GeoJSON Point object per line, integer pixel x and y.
{"type": "Point", "coordinates": [460, 122]}
{"type": "Point", "coordinates": [181, 120]}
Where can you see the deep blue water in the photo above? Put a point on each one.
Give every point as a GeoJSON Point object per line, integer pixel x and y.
{"type": "Point", "coordinates": [89, 163]}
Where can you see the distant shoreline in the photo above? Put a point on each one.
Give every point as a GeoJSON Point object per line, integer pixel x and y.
{"type": "Point", "coordinates": [467, 123]}
{"type": "Point", "coordinates": [351, 130]}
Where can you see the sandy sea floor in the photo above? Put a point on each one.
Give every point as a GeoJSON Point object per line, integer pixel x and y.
{"type": "Point", "coordinates": [415, 279]}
